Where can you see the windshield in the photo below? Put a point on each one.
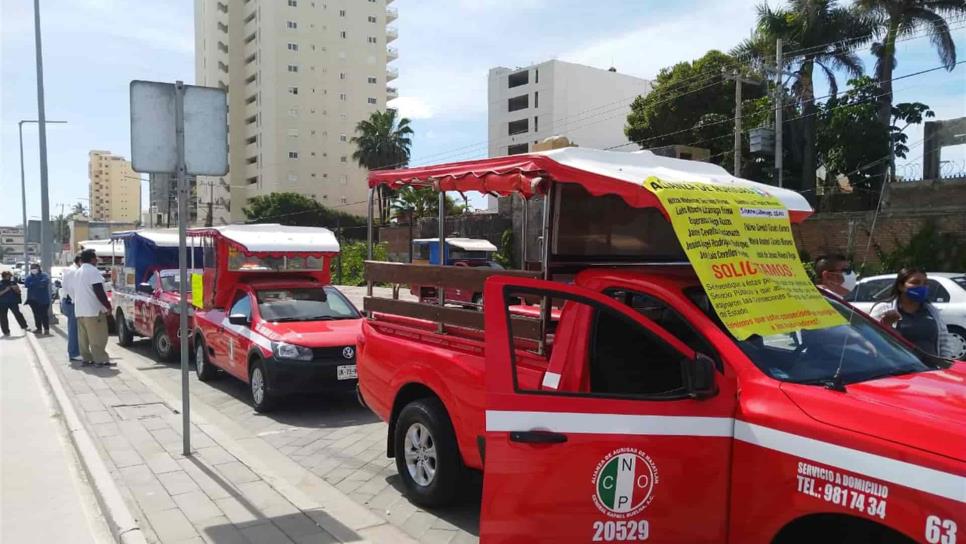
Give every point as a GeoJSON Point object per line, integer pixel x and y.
{"type": "Point", "coordinates": [960, 281]}
{"type": "Point", "coordinates": [304, 304]}
{"type": "Point", "coordinates": [858, 351]}
{"type": "Point", "coordinates": [171, 283]}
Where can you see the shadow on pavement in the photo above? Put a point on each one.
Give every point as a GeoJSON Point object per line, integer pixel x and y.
{"type": "Point", "coordinates": [465, 513]}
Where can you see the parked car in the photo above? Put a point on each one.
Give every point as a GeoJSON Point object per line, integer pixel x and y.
{"type": "Point", "coordinates": [947, 292]}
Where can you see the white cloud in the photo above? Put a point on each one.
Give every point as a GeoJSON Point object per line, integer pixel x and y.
{"type": "Point", "coordinates": [412, 107]}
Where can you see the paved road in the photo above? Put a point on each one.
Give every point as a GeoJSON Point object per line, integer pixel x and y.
{"type": "Point", "coordinates": [43, 496]}
{"type": "Point", "coordinates": [334, 438]}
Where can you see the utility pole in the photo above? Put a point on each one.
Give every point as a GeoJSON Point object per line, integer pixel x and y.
{"type": "Point", "coordinates": [45, 253]}
{"type": "Point", "coordinates": [739, 80]}
{"type": "Point", "coordinates": [779, 94]}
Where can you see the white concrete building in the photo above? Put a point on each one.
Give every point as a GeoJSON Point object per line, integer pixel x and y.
{"type": "Point", "coordinates": [587, 105]}
{"type": "Point", "coordinates": [300, 75]}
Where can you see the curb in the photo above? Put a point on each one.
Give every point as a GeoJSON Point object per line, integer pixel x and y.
{"type": "Point", "coordinates": [302, 488]}
{"type": "Point", "coordinates": [122, 523]}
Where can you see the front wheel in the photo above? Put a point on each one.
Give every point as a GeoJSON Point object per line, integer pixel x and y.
{"type": "Point", "coordinates": [262, 399]}
{"type": "Point", "coordinates": [125, 337]}
{"type": "Point", "coordinates": [163, 348]}
{"type": "Point", "coordinates": [427, 457]}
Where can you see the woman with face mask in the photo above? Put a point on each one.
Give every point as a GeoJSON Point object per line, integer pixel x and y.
{"type": "Point", "coordinates": [38, 298]}
{"type": "Point", "coordinates": [909, 311]}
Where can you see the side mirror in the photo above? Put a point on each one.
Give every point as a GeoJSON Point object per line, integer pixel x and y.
{"type": "Point", "coordinates": [145, 288]}
{"type": "Point", "coordinates": [238, 319]}
{"type": "Point", "coordinates": [699, 376]}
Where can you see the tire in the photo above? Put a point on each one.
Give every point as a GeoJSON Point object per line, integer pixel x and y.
{"type": "Point", "coordinates": [427, 457]}
{"type": "Point", "coordinates": [258, 386]}
{"type": "Point", "coordinates": [957, 338]}
{"type": "Point", "coordinates": [163, 346]}
{"type": "Point", "coordinates": [125, 337]}
{"type": "Point", "coordinates": [203, 367]}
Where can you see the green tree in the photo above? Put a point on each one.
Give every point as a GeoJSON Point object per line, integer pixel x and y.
{"type": "Point", "coordinates": [854, 142]}
{"type": "Point", "coordinates": [893, 19]}
{"type": "Point", "coordinates": [820, 32]}
{"type": "Point", "coordinates": [353, 255]}
{"type": "Point", "coordinates": [421, 202]}
{"type": "Point", "coordinates": [79, 209]}
{"type": "Point", "coordinates": [687, 106]}
{"type": "Point", "coordinates": [300, 210]}
{"type": "Point", "coordinates": [383, 143]}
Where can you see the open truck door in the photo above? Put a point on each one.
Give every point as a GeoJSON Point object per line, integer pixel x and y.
{"type": "Point", "coordinates": [628, 437]}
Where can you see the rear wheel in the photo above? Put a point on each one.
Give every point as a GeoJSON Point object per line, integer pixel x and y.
{"type": "Point", "coordinates": [203, 367]}
{"type": "Point", "coordinates": [163, 347]}
{"type": "Point", "coordinates": [427, 457]}
{"type": "Point", "coordinates": [957, 342]}
{"type": "Point", "coordinates": [262, 399]}
{"type": "Point", "coordinates": [125, 337]}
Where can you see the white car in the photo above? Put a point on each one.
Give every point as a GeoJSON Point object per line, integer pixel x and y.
{"type": "Point", "coordinates": [947, 292]}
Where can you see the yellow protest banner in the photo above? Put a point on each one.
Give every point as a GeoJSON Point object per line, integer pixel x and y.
{"type": "Point", "coordinates": [739, 241]}
{"type": "Point", "coordinates": [197, 290]}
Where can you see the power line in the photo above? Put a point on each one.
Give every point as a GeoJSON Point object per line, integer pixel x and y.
{"type": "Point", "coordinates": [916, 34]}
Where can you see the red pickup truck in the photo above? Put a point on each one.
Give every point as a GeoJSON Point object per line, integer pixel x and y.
{"type": "Point", "coordinates": [632, 414]}
{"type": "Point", "coordinates": [270, 317]}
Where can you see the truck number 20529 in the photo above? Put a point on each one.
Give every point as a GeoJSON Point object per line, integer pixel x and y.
{"type": "Point", "coordinates": [621, 531]}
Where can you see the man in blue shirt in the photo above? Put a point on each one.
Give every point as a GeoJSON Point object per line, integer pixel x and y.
{"type": "Point", "coordinates": [10, 301]}
{"type": "Point", "coordinates": [38, 298]}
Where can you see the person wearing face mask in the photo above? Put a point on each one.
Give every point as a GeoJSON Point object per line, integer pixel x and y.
{"type": "Point", "coordinates": [834, 274]}
{"type": "Point", "coordinates": [10, 302]}
{"type": "Point", "coordinates": [909, 311]}
{"type": "Point", "coordinates": [38, 298]}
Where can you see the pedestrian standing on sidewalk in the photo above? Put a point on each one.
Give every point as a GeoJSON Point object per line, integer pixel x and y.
{"type": "Point", "coordinates": [91, 308]}
{"type": "Point", "coordinates": [67, 309]}
{"type": "Point", "coordinates": [38, 298]}
{"type": "Point", "coordinates": [10, 301]}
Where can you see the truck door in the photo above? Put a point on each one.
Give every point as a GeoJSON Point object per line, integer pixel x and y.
{"type": "Point", "coordinates": [237, 336]}
{"type": "Point", "coordinates": [145, 307]}
{"type": "Point", "coordinates": [617, 446]}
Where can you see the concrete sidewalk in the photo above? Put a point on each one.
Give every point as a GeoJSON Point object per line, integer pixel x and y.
{"type": "Point", "coordinates": [216, 495]}
{"type": "Point", "coordinates": [44, 496]}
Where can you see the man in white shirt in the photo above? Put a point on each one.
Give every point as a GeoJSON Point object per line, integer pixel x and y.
{"type": "Point", "coordinates": [91, 308]}
{"type": "Point", "coordinates": [67, 309]}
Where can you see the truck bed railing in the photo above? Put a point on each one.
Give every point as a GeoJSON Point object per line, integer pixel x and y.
{"type": "Point", "coordinates": [442, 278]}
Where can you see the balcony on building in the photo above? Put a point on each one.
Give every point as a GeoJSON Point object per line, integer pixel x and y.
{"type": "Point", "coordinates": [392, 93]}
{"type": "Point", "coordinates": [391, 54]}
{"type": "Point", "coordinates": [391, 73]}
{"type": "Point", "coordinates": [391, 13]}
{"type": "Point", "coordinates": [392, 34]}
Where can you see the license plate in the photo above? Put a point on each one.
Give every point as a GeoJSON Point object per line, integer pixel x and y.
{"type": "Point", "coordinates": [345, 372]}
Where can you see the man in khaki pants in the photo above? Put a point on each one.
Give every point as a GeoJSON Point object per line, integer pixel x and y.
{"type": "Point", "coordinates": [91, 308]}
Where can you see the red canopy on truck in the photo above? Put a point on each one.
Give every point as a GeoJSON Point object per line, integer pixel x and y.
{"type": "Point", "coordinates": [599, 172]}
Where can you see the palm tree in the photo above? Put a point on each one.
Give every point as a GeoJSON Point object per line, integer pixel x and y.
{"type": "Point", "coordinates": [822, 35]}
{"type": "Point", "coordinates": [78, 209]}
{"type": "Point", "coordinates": [383, 143]}
{"type": "Point", "coordinates": [893, 19]}
{"type": "Point", "coordinates": [416, 202]}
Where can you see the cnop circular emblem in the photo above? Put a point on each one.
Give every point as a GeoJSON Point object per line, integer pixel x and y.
{"type": "Point", "coordinates": [624, 482]}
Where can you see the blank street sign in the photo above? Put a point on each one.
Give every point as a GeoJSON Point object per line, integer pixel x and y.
{"type": "Point", "coordinates": [153, 137]}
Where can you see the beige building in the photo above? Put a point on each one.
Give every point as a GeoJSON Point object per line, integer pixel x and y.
{"type": "Point", "coordinates": [300, 75]}
{"type": "Point", "coordinates": [115, 189]}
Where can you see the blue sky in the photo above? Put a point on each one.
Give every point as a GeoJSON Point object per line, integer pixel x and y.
{"type": "Point", "coordinates": [93, 48]}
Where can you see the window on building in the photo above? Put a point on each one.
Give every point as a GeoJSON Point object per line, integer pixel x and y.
{"type": "Point", "coordinates": [373, 101]}
{"type": "Point", "coordinates": [518, 78]}
{"type": "Point", "coordinates": [371, 19]}
{"type": "Point", "coordinates": [292, 3]}
{"type": "Point", "coordinates": [536, 124]}
{"type": "Point", "coordinates": [343, 179]}
{"type": "Point", "coordinates": [517, 149]}
{"type": "Point", "coordinates": [291, 24]}
{"type": "Point", "coordinates": [536, 99]}
{"type": "Point", "coordinates": [343, 158]}
{"type": "Point", "coordinates": [343, 138]}
{"type": "Point", "coordinates": [293, 90]}
{"type": "Point", "coordinates": [518, 127]}
{"type": "Point", "coordinates": [293, 112]}
{"type": "Point", "coordinates": [372, 39]}
{"type": "Point", "coordinates": [342, 34]}
{"type": "Point", "coordinates": [293, 154]}
{"type": "Point", "coordinates": [293, 132]}
{"type": "Point", "coordinates": [341, 75]}
{"type": "Point", "coordinates": [341, 13]}
{"type": "Point", "coordinates": [293, 47]}
{"type": "Point", "coordinates": [342, 96]}
{"type": "Point", "coordinates": [344, 200]}
{"type": "Point", "coordinates": [372, 81]}
{"type": "Point", "coordinates": [518, 102]}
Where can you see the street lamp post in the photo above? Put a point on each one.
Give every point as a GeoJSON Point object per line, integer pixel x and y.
{"type": "Point", "coordinates": [23, 183]}
{"type": "Point", "coordinates": [42, 124]}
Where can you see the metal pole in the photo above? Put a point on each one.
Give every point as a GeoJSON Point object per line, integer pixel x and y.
{"type": "Point", "coordinates": [737, 125]}
{"type": "Point", "coordinates": [526, 231]}
{"type": "Point", "coordinates": [182, 265]}
{"type": "Point", "coordinates": [440, 291]}
{"type": "Point", "coordinates": [545, 258]}
{"type": "Point", "coordinates": [45, 253]}
{"type": "Point", "coordinates": [779, 156]}
{"type": "Point", "coordinates": [369, 223]}
{"type": "Point", "coordinates": [23, 195]}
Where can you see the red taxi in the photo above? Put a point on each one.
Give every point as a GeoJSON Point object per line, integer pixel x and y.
{"type": "Point", "coordinates": [270, 317]}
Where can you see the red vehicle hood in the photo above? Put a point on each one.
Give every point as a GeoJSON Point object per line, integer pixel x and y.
{"type": "Point", "coordinates": [926, 410]}
{"type": "Point", "coordinates": [314, 334]}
